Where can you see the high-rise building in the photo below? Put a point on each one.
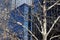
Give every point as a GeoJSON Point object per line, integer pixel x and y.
{"type": "Point", "coordinates": [25, 11]}
{"type": "Point", "coordinates": [20, 14]}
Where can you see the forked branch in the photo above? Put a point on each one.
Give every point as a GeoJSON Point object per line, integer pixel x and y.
{"type": "Point", "coordinates": [53, 25]}
{"type": "Point", "coordinates": [40, 24]}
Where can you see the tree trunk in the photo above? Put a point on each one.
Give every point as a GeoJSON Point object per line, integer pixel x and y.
{"type": "Point", "coordinates": [44, 21]}
{"type": "Point", "coordinates": [44, 37]}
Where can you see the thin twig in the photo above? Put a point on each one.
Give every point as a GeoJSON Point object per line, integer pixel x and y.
{"type": "Point", "coordinates": [40, 23]}
{"type": "Point", "coordinates": [28, 30]}
{"type": "Point", "coordinates": [40, 4]}
{"type": "Point", "coordinates": [31, 20]}
{"type": "Point", "coordinates": [54, 37]}
{"type": "Point", "coordinates": [53, 5]}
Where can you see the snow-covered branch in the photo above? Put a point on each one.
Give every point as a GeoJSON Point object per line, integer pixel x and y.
{"type": "Point", "coordinates": [53, 25]}
{"type": "Point", "coordinates": [53, 5]}
{"type": "Point", "coordinates": [28, 30]}
{"type": "Point", "coordinates": [54, 37]}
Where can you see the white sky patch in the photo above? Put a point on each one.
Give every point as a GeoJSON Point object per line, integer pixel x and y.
{"type": "Point", "coordinates": [20, 2]}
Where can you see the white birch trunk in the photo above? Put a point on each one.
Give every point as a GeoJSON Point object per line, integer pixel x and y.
{"type": "Point", "coordinates": [44, 21]}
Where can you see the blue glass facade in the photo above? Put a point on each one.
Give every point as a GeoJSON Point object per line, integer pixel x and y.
{"type": "Point", "coordinates": [24, 9]}
{"type": "Point", "coordinates": [16, 17]}
{"type": "Point", "coordinates": [37, 7]}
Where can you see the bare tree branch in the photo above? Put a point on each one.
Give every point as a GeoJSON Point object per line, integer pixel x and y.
{"type": "Point", "coordinates": [53, 25]}
{"type": "Point", "coordinates": [38, 20]}
{"type": "Point", "coordinates": [35, 24]}
{"type": "Point", "coordinates": [39, 29]}
{"type": "Point", "coordinates": [28, 30]}
{"type": "Point", "coordinates": [32, 21]}
{"type": "Point", "coordinates": [54, 37]}
{"type": "Point", "coordinates": [40, 23]}
{"type": "Point", "coordinates": [32, 15]}
{"type": "Point", "coordinates": [53, 5]}
{"type": "Point", "coordinates": [40, 4]}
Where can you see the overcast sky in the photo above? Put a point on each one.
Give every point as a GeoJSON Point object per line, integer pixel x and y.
{"type": "Point", "coordinates": [24, 1]}
{"type": "Point", "coordinates": [20, 2]}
